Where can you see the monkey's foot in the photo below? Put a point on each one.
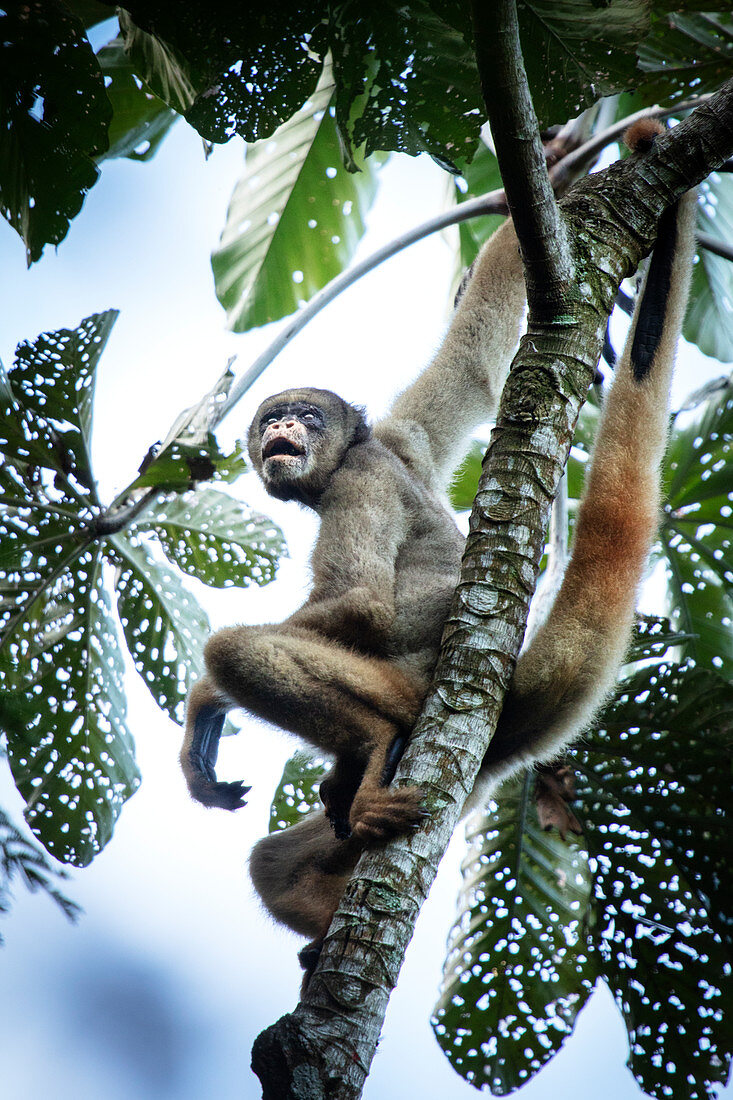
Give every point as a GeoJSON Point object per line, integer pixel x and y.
{"type": "Point", "coordinates": [226, 796]}
{"type": "Point", "coordinates": [386, 812]}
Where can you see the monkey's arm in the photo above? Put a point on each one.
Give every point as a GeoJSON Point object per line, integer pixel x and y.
{"type": "Point", "coordinates": [461, 386]}
{"type": "Point", "coordinates": [570, 666]}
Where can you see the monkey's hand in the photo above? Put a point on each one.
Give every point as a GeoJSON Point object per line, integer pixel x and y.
{"type": "Point", "coordinates": [386, 812]}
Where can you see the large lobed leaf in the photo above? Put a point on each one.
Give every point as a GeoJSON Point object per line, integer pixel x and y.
{"type": "Point", "coordinates": [654, 786]}
{"type": "Point", "coordinates": [53, 117]}
{"type": "Point", "coordinates": [697, 525]}
{"type": "Point", "coordinates": [518, 968]}
{"type": "Point", "coordinates": [165, 628]}
{"type": "Point", "coordinates": [649, 912]}
{"type": "Point", "coordinates": [62, 703]}
{"type": "Point", "coordinates": [578, 50]}
{"type": "Point", "coordinates": [214, 538]}
{"type": "Point", "coordinates": [248, 75]}
{"type": "Point", "coordinates": [294, 220]}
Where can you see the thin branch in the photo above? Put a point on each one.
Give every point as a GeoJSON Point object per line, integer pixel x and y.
{"type": "Point", "coordinates": [494, 202]}
{"type": "Point", "coordinates": [562, 173]}
{"type": "Point", "coordinates": [712, 244]}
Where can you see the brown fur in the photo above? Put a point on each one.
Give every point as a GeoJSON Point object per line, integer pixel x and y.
{"type": "Point", "coordinates": [349, 670]}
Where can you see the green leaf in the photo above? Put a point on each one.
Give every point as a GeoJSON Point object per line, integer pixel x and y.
{"type": "Point", "coordinates": [654, 784]}
{"type": "Point", "coordinates": [297, 792]}
{"type": "Point", "coordinates": [63, 706]}
{"type": "Point", "coordinates": [709, 320]}
{"type": "Point", "coordinates": [190, 452]}
{"type": "Point", "coordinates": [406, 80]}
{"type": "Point", "coordinates": [294, 220]}
{"type": "Point", "coordinates": [477, 178]}
{"type": "Point", "coordinates": [164, 626]}
{"type": "Point", "coordinates": [696, 528]}
{"type": "Point", "coordinates": [140, 120]}
{"type": "Point", "coordinates": [518, 968]}
{"type": "Point", "coordinates": [576, 51]}
{"type": "Point", "coordinates": [47, 72]}
{"type": "Point", "coordinates": [249, 74]}
{"type": "Point", "coordinates": [213, 537]}
{"type": "Point", "coordinates": [52, 381]}
{"type": "Point", "coordinates": [686, 55]}
{"type": "Point", "coordinates": [21, 858]}
{"type": "Point", "coordinates": [465, 480]}
{"type": "Point", "coordinates": [160, 66]}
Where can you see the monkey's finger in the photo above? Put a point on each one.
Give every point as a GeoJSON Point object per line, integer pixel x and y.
{"type": "Point", "coordinates": [227, 796]}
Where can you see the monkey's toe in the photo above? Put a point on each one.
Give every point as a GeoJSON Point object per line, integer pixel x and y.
{"type": "Point", "coordinates": [385, 813]}
{"type": "Point", "coordinates": [225, 796]}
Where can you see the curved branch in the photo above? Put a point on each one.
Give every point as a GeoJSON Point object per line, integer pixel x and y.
{"type": "Point", "coordinates": [540, 230]}
{"type": "Point", "coordinates": [494, 202]}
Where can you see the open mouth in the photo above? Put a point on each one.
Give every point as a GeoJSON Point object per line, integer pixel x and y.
{"type": "Point", "coordinates": [282, 448]}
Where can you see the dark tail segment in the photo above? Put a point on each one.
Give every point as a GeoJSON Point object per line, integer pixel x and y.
{"type": "Point", "coordinates": [202, 753]}
{"type": "Point", "coordinates": [653, 308]}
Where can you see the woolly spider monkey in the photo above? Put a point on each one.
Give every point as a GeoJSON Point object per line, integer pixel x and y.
{"type": "Point", "coordinates": [349, 670]}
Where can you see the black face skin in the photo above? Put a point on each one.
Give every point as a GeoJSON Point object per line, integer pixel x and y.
{"type": "Point", "coordinates": [298, 438]}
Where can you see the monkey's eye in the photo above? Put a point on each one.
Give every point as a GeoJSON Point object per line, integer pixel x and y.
{"type": "Point", "coordinates": [309, 416]}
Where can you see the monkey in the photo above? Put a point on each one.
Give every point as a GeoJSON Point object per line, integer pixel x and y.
{"type": "Point", "coordinates": [349, 670]}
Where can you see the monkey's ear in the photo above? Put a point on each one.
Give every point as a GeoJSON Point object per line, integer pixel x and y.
{"type": "Point", "coordinates": [640, 135]}
{"type": "Point", "coordinates": [363, 430]}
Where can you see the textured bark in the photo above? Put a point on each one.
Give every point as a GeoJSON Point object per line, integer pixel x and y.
{"type": "Point", "coordinates": [325, 1047]}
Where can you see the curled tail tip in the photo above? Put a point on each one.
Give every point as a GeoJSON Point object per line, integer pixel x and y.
{"type": "Point", "coordinates": [639, 136]}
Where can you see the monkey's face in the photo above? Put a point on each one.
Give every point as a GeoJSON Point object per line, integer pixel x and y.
{"type": "Point", "coordinates": [299, 438]}
{"type": "Point", "coordinates": [288, 436]}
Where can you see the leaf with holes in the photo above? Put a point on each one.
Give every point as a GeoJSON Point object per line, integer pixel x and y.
{"type": "Point", "coordinates": [653, 782]}
{"type": "Point", "coordinates": [709, 319]}
{"type": "Point", "coordinates": [249, 74]}
{"type": "Point", "coordinates": [578, 50]}
{"type": "Point", "coordinates": [518, 968]}
{"type": "Point", "coordinates": [697, 528]}
{"type": "Point", "coordinates": [52, 383]}
{"type": "Point", "coordinates": [294, 220]}
{"type": "Point", "coordinates": [297, 792]}
{"type": "Point", "coordinates": [164, 626]}
{"type": "Point", "coordinates": [47, 69]}
{"type": "Point", "coordinates": [140, 120]}
{"type": "Point", "coordinates": [685, 55]}
{"type": "Point", "coordinates": [214, 538]}
{"type": "Point", "coordinates": [63, 710]}
{"type": "Point", "coordinates": [190, 452]}
{"type": "Point", "coordinates": [406, 80]}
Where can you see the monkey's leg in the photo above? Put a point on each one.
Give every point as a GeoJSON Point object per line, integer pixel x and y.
{"type": "Point", "coordinates": [205, 711]}
{"type": "Point", "coordinates": [347, 704]}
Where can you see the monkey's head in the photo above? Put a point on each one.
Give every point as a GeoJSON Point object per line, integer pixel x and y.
{"type": "Point", "coordinates": [299, 438]}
